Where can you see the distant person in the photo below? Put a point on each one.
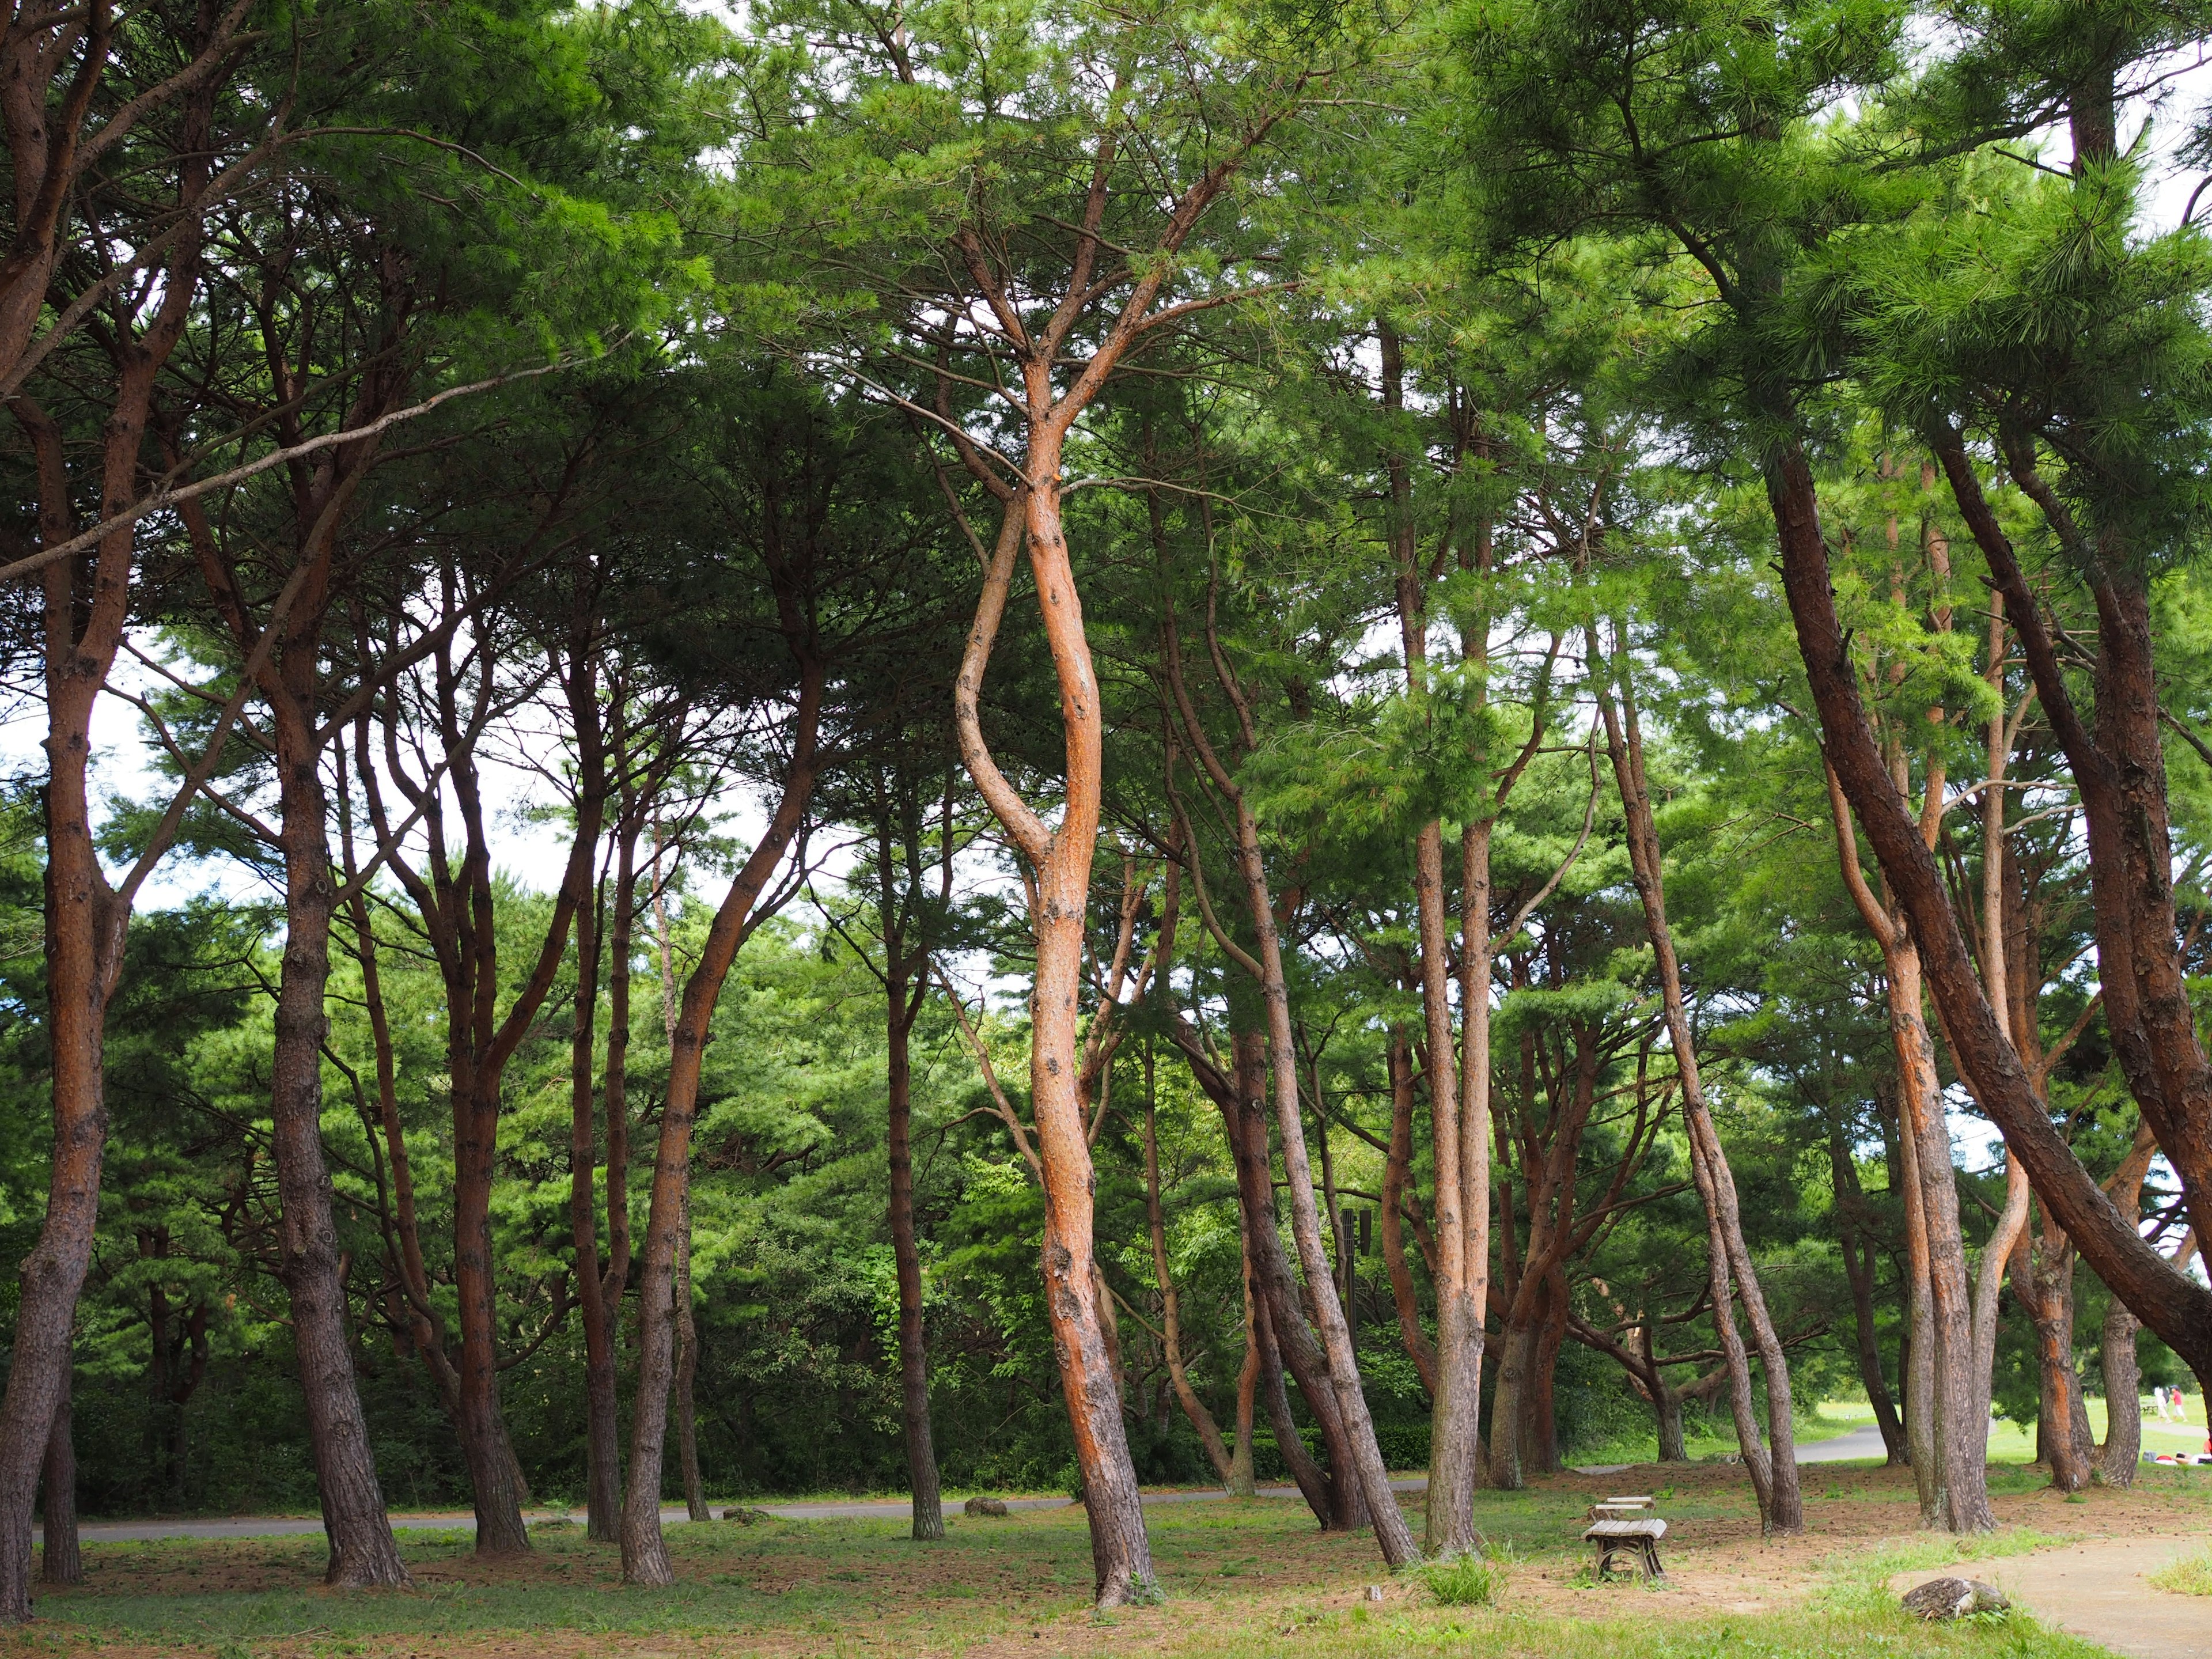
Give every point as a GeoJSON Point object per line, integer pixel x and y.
{"type": "Point", "coordinates": [2165, 1405]}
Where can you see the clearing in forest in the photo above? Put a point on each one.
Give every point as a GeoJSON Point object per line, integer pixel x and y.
{"type": "Point", "coordinates": [1252, 1578]}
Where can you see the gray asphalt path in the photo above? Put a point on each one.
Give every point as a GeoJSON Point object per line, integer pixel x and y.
{"type": "Point", "coordinates": [1862, 1442]}
{"type": "Point", "coordinates": [855, 1509]}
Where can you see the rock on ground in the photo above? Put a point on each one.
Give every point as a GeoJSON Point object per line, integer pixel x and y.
{"type": "Point", "coordinates": [1954, 1598]}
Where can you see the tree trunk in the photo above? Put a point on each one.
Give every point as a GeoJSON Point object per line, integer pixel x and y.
{"type": "Point", "coordinates": [602, 1450]}
{"type": "Point", "coordinates": [61, 1561]}
{"type": "Point", "coordinates": [1209, 1433]}
{"type": "Point", "coordinates": [1361, 1470]}
{"type": "Point", "coordinates": [928, 1519]}
{"type": "Point", "coordinates": [2043, 1280]}
{"type": "Point", "coordinates": [1946, 1346]}
{"type": "Point", "coordinates": [687, 1372]}
{"type": "Point", "coordinates": [363, 1550]}
{"type": "Point", "coordinates": [1674, 1446]}
{"type": "Point", "coordinates": [2123, 1449]}
{"type": "Point", "coordinates": [1241, 1483]}
{"type": "Point", "coordinates": [1923, 1412]}
{"type": "Point", "coordinates": [87, 606]}
{"type": "Point", "coordinates": [1342, 1506]}
{"type": "Point", "coordinates": [1313, 1485]}
{"type": "Point", "coordinates": [645, 1552]}
{"type": "Point", "coordinates": [1859, 1268]}
{"type": "Point", "coordinates": [1397, 1177]}
{"type": "Point", "coordinates": [2178, 1310]}
{"type": "Point", "coordinates": [1783, 1511]}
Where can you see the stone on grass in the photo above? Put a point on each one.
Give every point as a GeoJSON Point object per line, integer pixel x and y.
{"type": "Point", "coordinates": [745, 1518]}
{"type": "Point", "coordinates": [987, 1506]}
{"type": "Point", "coordinates": [1954, 1598]}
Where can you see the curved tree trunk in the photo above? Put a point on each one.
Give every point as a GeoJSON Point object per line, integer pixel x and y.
{"type": "Point", "coordinates": [645, 1551]}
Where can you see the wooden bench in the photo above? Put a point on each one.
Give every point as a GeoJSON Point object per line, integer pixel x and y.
{"type": "Point", "coordinates": [1625, 1536]}
{"type": "Point", "coordinates": [1619, 1508]}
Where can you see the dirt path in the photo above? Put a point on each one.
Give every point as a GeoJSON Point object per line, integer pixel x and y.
{"type": "Point", "coordinates": [2099, 1591]}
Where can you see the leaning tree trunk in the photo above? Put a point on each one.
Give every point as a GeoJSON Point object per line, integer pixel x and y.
{"type": "Point", "coordinates": [1193, 1409]}
{"type": "Point", "coordinates": [645, 1549]}
{"type": "Point", "coordinates": [1782, 1508]}
{"type": "Point", "coordinates": [1363, 1471]}
{"type": "Point", "coordinates": [1344, 1507]}
{"type": "Point", "coordinates": [61, 1561]}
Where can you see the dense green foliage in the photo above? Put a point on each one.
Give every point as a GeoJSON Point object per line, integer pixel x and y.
{"type": "Point", "coordinates": [1492, 333]}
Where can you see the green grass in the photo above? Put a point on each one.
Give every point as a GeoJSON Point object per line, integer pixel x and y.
{"type": "Point", "coordinates": [1244, 1580]}
{"type": "Point", "coordinates": [1859, 1579]}
{"type": "Point", "coordinates": [2190, 1575]}
{"type": "Point", "coordinates": [1461, 1581]}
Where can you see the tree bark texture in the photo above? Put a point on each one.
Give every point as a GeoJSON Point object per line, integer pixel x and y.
{"type": "Point", "coordinates": [687, 1373]}
{"type": "Point", "coordinates": [61, 1560]}
{"type": "Point", "coordinates": [903, 1004]}
{"type": "Point", "coordinates": [86, 607]}
{"type": "Point", "coordinates": [1783, 1510]}
{"type": "Point", "coordinates": [2178, 1311]}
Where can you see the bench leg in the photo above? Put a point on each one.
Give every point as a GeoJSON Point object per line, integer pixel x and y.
{"type": "Point", "coordinates": [1652, 1570]}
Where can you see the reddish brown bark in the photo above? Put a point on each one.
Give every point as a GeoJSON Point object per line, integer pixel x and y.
{"type": "Point", "coordinates": [2179, 1311]}
{"type": "Point", "coordinates": [87, 606]}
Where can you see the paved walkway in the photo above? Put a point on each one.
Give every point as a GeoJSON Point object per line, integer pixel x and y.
{"type": "Point", "coordinates": [2098, 1591]}
{"type": "Point", "coordinates": [853, 1509]}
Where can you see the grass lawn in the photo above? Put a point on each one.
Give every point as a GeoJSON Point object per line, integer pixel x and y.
{"type": "Point", "coordinates": [1241, 1579]}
